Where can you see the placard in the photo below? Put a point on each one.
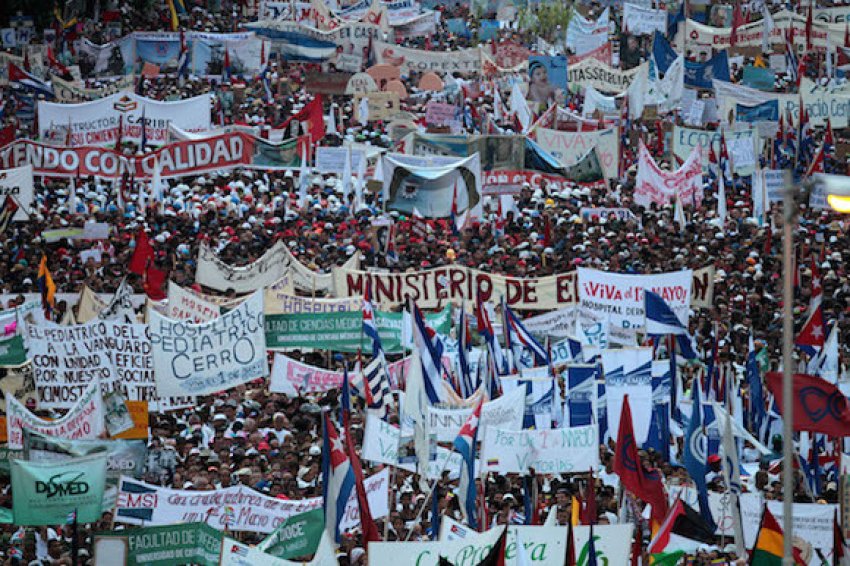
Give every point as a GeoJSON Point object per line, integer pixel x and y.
{"type": "Point", "coordinates": [556, 451]}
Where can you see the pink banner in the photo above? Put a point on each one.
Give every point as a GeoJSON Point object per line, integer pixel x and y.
{"type": "Point", "coordinates": [654, 185]}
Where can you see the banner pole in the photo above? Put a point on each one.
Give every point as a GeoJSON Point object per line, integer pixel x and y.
{"type": "Point", "coordinates": [430, 493]}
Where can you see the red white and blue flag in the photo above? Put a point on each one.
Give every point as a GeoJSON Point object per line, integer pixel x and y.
{"type": "Point", "coordinates": [465, 446]}
{"type": "Point", "coordinates": [370, 329]}
{"type": "Point", "coordinates": [524, 337]}
{"type": "Point", "coordinates": [430, 348]}
{"type": "Point", "coordinates": [498, 362]}
{"type": "Point", "coordinates": [337, 478]}
{"type": "Point", "coordinates": [25, 79]}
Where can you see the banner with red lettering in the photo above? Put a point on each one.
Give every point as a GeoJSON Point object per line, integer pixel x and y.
{"type": "Point", "coordinates": [101, 122]}
{"type": "Point", "coordinates": [189, 157]}
{"type": "Point", "coordinates": [433, 288]}
{"type": "Point", "coordinates": [654, 185]}
{"type": "Point", "coordinates": [618, 297]}
{"type": "Point", "coordinates": [295, 378]}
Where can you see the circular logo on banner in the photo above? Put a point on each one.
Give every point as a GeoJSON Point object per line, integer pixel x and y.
{"type": "Point", "coordinates": [628, 462]}
{"type": "Point", "coordinates": [818, 404]}
{"type": "Point", "coordinates": [698, 443]}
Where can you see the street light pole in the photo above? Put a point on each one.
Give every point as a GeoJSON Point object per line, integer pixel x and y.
{"type": "Point", "coordinates": [790, 220]}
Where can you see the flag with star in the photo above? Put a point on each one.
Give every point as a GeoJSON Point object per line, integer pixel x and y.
{"type": "Point", "coordinates": [337, 478]}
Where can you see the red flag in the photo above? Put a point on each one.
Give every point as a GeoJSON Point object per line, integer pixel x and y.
{"type": "Point", "coordinates": [313, 113]}
{"type": "Point", "coordinates": [819, 406]}
{"type": "Point", "coordinates": [809, 26]}
{"type": "Point", "coordinates": [154, 280]}
{"type": "Point", "coordinates": [589, 513]}
{"type": "Point", "coordinates": [737, 22]}
{"type": "Point", "coordinates": [263, 53]}
{"type": "Point", "coordinates": [644, 484]}
{"type": "Point", "coordinates": [142, 254]}
{"type": "Point", "coordinates": [812, 333]}
{"type": "Point", "coordinates": [662, 537]}
{"type": "Point", "coordinates": [846, 34]}
{"type": "Point", "coordinates": [570, 559]}
{"type": "Point", "coordinates": [7, 135]}
{"type": "Point", "coordinates": [817, 164]}
{"type": "Point", "coordinates": [367, 524]}
{"type": "Point", "coordinates": [120, 135]}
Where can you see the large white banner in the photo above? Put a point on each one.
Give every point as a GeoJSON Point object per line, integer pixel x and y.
{"type": "Point", "coordinates": [199, 359]}
{"type": "Point", "coordinates": [18, 184]}
{"type": "Point", "coordinates": [584, 35]}
{"type": "Point", "coordinates": [293, 377]}
{"type": "Point", "coordinates": [555, 451]}
{"type": "Point", "coordinates": [83, 422]}
{"type": "Point", "coordinates": [821, 103]}
{"type": "Point", "coordinates": [422, 61]}
{"type": "Point", "coordinates": [66, 359]}
{"type": "Point", "coordinates": [570, 147]}
{"type": "Point", "coordinates": [618, 297]}
{"type": "Point", "coordinates": [639, 20]}
{"type": "Point", "coordinates": [601, 76]}
{"type": "Point", "coordinates": [655, 185]}
{"type": "Point", "coordinates": [98, 123]}
{"type": "Point", "coordinates": [237, 508]}
{"type": "Point", "coordinates": [545, 546]}
{"type": "Point", "coordinates": [506, 413]}
{"type": "Point", "coordinates": [740, 143]}
{"type": "Point", "coordinates": [628, 371]}
{"type": "Point", "coordinates": [812, 521]}
{"type": "Point", "coordinates": [380, 445]}
{"type": "Point", "coordinates": [276, 264]}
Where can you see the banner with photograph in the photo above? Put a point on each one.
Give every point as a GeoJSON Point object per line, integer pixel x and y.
{"type": "Point", "coordinates": [433, 191]}
{"type": "Point", "coordinates": [236, 508]}
{"type": "Point", "coordinates": [83, 421]}
{"type": "Point", "coordinates": [655, 185]}
{"type": "Point", "coordinates": [421, 61]}
{"type": "Point", "coordinates": [496, 152]}
{"type": "Point", "coordinates": [123, 457]}
{"type": "Point", "coordinates": [556, 451]}
{"type": "Point", "coordinates": [98, 123]}
{"type": "Point", "coordinates": [571, 147]}
{"type": "Point", "coordinates": [199, 359]}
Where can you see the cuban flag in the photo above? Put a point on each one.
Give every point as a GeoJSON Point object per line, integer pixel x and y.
{"type": "Point", "coordinates": [463, 349]}
{"type": "Point", "coordinates": [465, 446]}
{"type": "Point", "coordinates": [370, 329]}
{"type": "Point", "coordinates": [431, 353]}
{"type": "Point", "coordinates": [498, 362]}
{"type": "Point", "coordinates": [25, 79]}
{"type": "Point", "coordinates": [524, 337]}
{"type": "Point", "coordinates": [337, 478]}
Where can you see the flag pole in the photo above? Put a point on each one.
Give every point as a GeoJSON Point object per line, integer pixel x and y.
{"type": "Point", "coordinates": [787, 374]}
{"type": "Point", "coordinates": [430, 493]}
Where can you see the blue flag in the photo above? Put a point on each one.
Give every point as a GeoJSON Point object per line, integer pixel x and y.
{"type": "Point", "coordinates": [696, 454]}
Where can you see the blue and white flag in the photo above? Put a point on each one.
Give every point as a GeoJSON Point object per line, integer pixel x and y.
{"type": "Point", "coordinates": [515, 328]}
{"type": "Point", "coordinates": [581, 394]}
{"type": "Point", "coordinates": [660, 318]}
{"type": "Point", "coordinates": [696, 454]}
{"type": "Point", "coordinates": [430, 348]}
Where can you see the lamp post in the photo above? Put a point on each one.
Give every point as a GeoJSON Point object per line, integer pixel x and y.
{"type": "Point", "coordinates": [836, 189]}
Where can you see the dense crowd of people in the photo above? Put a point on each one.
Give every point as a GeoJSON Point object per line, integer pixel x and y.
{"type": "Point", "coordinates": [271, 441]}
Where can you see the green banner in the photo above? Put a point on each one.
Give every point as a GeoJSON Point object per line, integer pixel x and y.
{"type": "Point", "coordinates": [296, 537]}
{"type": "Point", "coordinates": [341, 331]}
{"type": "Point", "coordinates": [12, 351]}
{"type": "Point", "coordinates": [45, 493]}
{"type": "Point", "coordinates": [172, 545]}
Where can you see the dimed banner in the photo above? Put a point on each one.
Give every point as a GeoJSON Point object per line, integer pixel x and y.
{"type": "Point", "coordinates": [557, 451]}
{"type": "Point", "coordinates": [422, 61]}
{"type": "Point", "coordinates": [188, 157]}
{"type": "Point", "coordinates": [654, 185]}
